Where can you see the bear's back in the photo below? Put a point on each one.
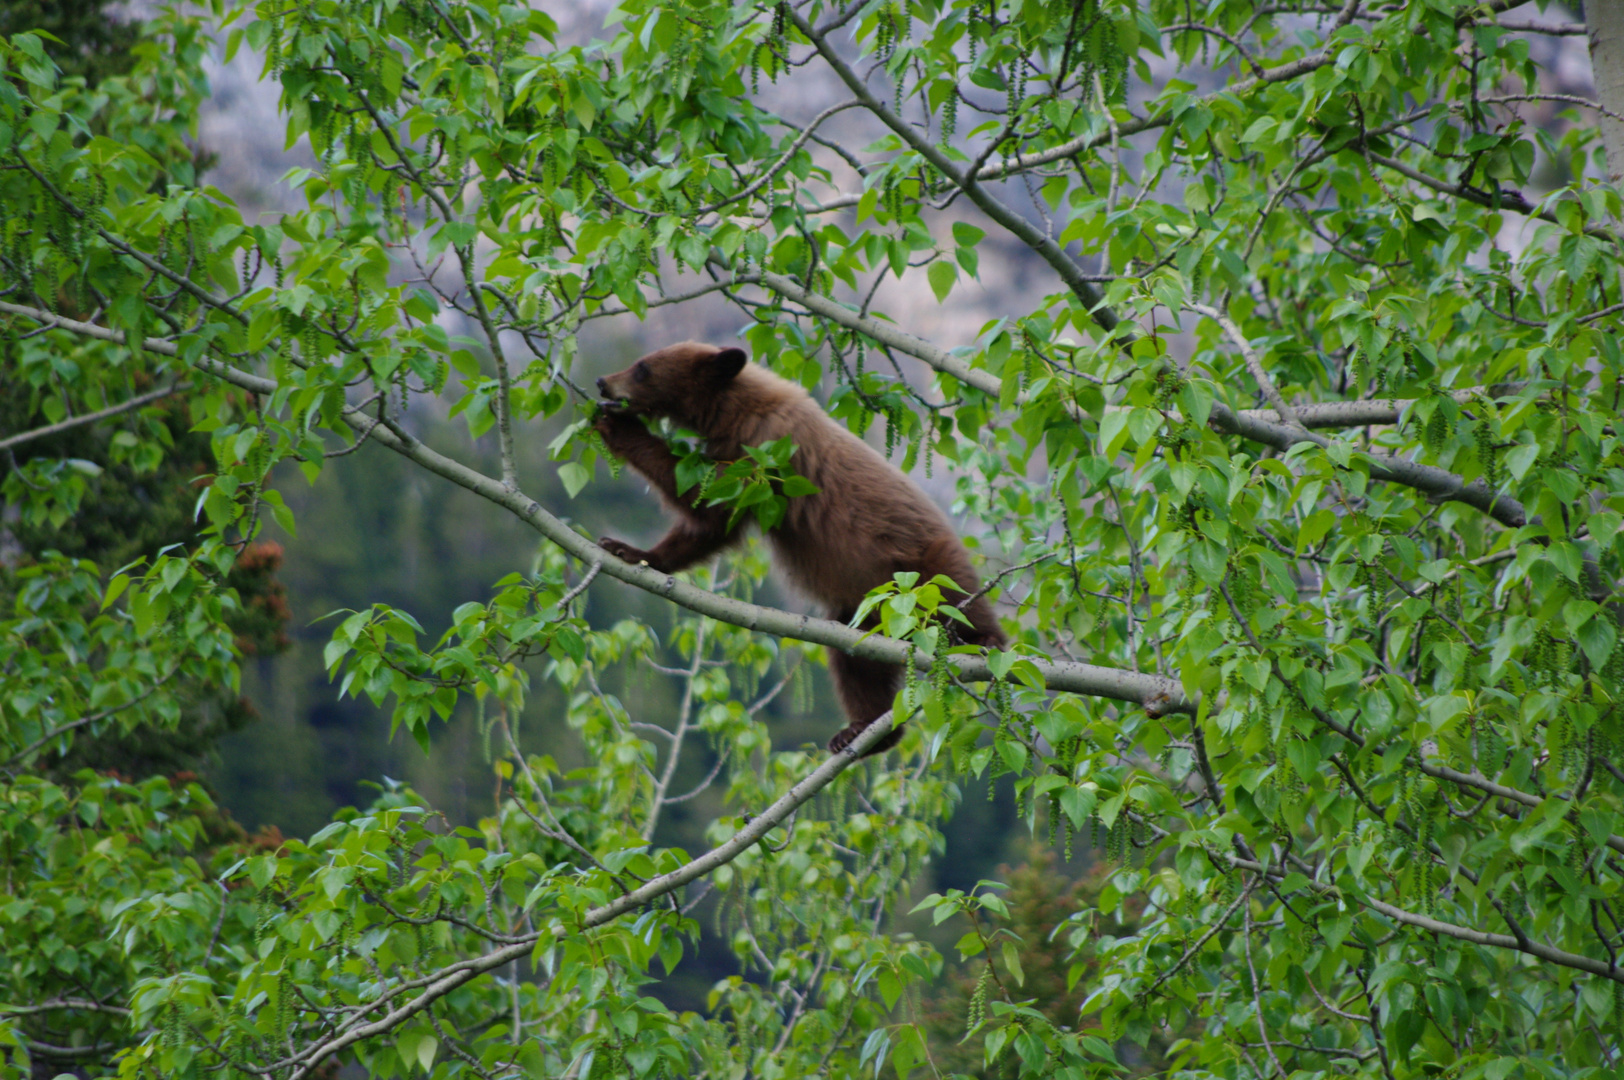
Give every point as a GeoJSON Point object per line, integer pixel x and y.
{"type": "Point", "coordinates": [867, 521]}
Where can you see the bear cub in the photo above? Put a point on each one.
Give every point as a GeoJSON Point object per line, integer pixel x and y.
{"type": "Point", "coordinates": [867, 522]}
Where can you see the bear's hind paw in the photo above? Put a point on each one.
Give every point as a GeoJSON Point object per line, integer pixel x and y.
{"type": "Point", "coordinates": [847, 735]}
{"type": "Point", "coordinates": [623, 551]}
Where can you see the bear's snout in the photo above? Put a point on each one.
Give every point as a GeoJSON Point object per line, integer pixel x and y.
{"type": "Point", "coordinates": [615, 398]}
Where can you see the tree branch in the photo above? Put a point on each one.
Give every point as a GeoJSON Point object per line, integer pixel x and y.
{"type": "Point", "coordinates": [1475, 781]}
{"type": "Point", "coordinates": [1604, 22]}
{"type": "Point", "coordinates": [91, 719]}
{"type": "Point", "coordinates": [1250, 424]}
{"type": "Point", "coordinates": [1046, 247]}
{"type": "Point", "coordinates": [90, 418]}
{"type": "Point", "coordinates": [455, 975]}
{"type": "Point", "coordinates": [1254, 363]}
{"type": "Point", "coordinates": [1369, 411]}
{"type": "Point", "coordinates": [1163, 694]}
{"type": "Point", "coordinates": [1461, 933]}
{"type": "Point", "coordinates": [673, 752]}
{"type": "Point", "coordinates": [1501, 200]}
{"type": "Point", "coordinates": [783, 159]}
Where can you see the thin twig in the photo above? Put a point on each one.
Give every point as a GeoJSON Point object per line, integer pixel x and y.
{"type": "Point", "coordinates": [91, 719]}
{"type": "Point", "coordinates": [90, 418]}
{"type": "Point", "coordinates": [1254, 363]}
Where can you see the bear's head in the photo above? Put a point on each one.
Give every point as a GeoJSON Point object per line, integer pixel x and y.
{"type": "Point", "coordinates": [680, 382]}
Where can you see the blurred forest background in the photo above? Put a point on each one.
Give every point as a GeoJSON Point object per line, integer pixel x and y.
{"type": "Point", "coordinates": [288, 751]}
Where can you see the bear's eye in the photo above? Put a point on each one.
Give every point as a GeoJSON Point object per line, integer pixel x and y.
{"type": "Point", "coordinates": [639, 372]}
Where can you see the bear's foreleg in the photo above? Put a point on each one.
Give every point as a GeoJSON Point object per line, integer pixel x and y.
{"type": "Point", "coordinates": [628, 439]}
{"type": "Point", "coordinates": [701, 531]}
{"type": "Point", "coordinates": [688, 542]}
{"type": "Point", "coordinates": [866, 689]}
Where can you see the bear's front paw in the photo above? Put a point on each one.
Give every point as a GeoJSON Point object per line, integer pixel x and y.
{"type": "Point", "coordinates": [623, 551]}
{"type": "Point", "coordinates": [619, 427]}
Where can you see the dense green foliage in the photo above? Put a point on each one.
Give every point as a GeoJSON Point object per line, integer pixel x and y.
{"type": "Point", "coordinates": [1330, 684]}
{"type": "Point", "coordinates": [87, 39]}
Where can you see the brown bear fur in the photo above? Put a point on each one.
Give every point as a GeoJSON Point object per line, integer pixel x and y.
{"type": "Point", "coordinates": [867, 522]}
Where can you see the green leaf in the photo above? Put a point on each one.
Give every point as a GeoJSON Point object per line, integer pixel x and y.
{"type": "Point", "coordinates": [115, 589]}
{"type": "Point", "coordinates": [1012, 961]}
{"type": "Point", "coordinates": [1314, 529]}
{"type": "Point", "coordinates": [1597, 638]}
{"type": "Point", "coordinates": [1078, 803]}
{"type": "Point", "coordinates": [1113, 432]}
{"type": "Point", "coordinates": [1567, 558]}
{"type": "Point", "coordinates": [1519, 459]}
{"type": "Point", "coordinates": [574, 477]}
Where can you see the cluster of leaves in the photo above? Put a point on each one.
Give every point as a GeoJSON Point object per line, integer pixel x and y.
{"type": "Point", "coordinates": [165, 946]}
{"type": "Point", "coordinates": [84, 657]}
{"type": "Point", "coordinates": [112, 885]}
{"type": "Point", "coordinates": [482, 652]}
{"type": "Point", "coordinates": [762, 482]}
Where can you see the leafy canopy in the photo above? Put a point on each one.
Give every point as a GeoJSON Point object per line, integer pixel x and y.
{"type": "Point", "coordinates": [1292, 450]}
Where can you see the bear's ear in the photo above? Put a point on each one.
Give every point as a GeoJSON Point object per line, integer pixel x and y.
{"type": "Point", "coordinates": [727, 363]}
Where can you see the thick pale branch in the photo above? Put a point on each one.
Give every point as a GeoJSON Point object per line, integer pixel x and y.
{"type": "Point", "coordinates": [67, 1003]}
{"type": "Point", "coordinates": [1365, 413]}
{"type": "Point", "coordinates": [1553, 29]}
{"type": "Point", "coordinates": [1162, 694]}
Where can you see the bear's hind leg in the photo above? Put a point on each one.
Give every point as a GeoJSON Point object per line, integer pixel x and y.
{"type": "Point", "coordinates": [948, 558]}
{"type": "Point", "coordinates": [866, 689]}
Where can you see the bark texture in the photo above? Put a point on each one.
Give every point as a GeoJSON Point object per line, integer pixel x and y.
{"type": "Point", "coordinates": [1604, 24]}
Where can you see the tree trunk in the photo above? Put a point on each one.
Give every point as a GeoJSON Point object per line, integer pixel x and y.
{"type": "Point", "coordinates": [1604, 22]}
